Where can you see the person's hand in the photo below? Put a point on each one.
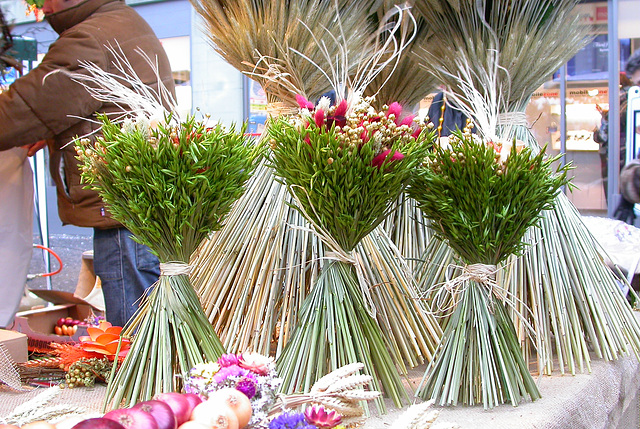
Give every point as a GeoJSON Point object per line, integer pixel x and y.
{"type": "Point", "coordinates": [35, 147]}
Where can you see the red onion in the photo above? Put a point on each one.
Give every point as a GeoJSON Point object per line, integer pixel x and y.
{"type": "Point", "coordinates": [98, 423]}
{"type": "Point", "coordinates": [193, 400]}
{"type": "Point", "coordinates": [161, 412]}
{"type": "Point", "coordinates": [178, 403]}
{"type": "Point", "coordinates": [132, 418]}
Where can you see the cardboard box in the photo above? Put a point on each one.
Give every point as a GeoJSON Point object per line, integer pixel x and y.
{"type": "Point", "coordinates": [16, 344]}
{"type": "Point", "coordinates": [89, 287]}
{"type": "Point", "coordinates": [38, 325]}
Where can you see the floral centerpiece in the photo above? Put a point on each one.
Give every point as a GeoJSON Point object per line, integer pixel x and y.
{"type": "Point", "coordinates": [482, 195]}
{"type": "Point", "coordinates": [334, 400]}
{"type": "Point", "coordinates": [170, 183]}
{"type": "Point", "coordinates": [345, 165]}
{"type": "Point", "coordinates": [482, 52]}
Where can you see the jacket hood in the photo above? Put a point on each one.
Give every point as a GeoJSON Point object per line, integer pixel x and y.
{"type": "Point", "coordinates": [65, 19]}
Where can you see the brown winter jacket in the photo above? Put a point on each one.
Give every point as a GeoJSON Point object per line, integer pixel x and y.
{"type": "Point", "coordinates": [33, 110]}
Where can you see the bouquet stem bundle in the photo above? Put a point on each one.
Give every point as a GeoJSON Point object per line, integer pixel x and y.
{"type": "Point", "coordinates": [480, 358]}
{"type": "Point", "coordinates": [170, 185]}
{"type": "Point", "coordinates": [336, 329]}
{"type": "Point", "coordinates": [575, 304]}
{"type": "Point", "coordinates": [173, 335]}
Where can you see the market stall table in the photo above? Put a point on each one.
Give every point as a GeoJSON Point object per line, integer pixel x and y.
{"type": "Point", "coordinates": [605, 399]}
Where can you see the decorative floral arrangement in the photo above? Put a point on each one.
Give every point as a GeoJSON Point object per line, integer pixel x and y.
{"type": "Point", "coordinates": [251, 373]}
{"type": "Point", "coordinates": [170, 183]}
{"type": "Point", "coordinates": [482, 195]}
{"type": "Point", "coordinates": [93, 357]}
{"type": "Point", "coordinates": [345, 165]}
{"type": "Point", "coordinates": [334, 400]}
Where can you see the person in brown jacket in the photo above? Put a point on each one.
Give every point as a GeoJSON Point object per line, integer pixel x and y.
{"type": "Point", "coordinates": [57, 110]}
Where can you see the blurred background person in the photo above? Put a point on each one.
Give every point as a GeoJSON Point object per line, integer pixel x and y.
{"type": "Point", "coordinates": [36, 111]}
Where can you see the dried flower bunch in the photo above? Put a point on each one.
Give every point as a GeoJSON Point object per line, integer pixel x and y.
{"type": "Point", "coordinates": [251, 373]}
{"type": "Point", "coordinates": [481, 52]}
{"type": "Point", "coordinates": [346, 164]}
{"type": "Point", "coordinates": [170, 183]}
{"type": "Point", "coordinates": [336, 398]}
{"type": "Point", "coordinates": [481, 195]}
{"type": "Point", "coordinates": [334, 401]}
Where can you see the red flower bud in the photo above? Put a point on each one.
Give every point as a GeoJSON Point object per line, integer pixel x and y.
{"type": "Point", "coordinates": [384, 157]}
{"type": "Point", "coordinates": [341, 109]}
{"type": "Point", "coordinates": [318, 117]}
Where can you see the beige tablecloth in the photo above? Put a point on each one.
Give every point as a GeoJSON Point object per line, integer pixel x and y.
{"type": "Point", "coordinates": [605, 399]}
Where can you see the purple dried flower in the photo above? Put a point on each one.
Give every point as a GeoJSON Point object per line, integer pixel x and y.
{"type": "Point", "coordinates": [247, 386]}
{"type": "Point", "coordinates": [231, 371]}
{"type": "Point", "coordinates": [228, 359]}
{"type": "Point", "coordinates": [290, 421]}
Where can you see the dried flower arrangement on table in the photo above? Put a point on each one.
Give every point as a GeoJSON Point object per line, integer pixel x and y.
{"type": "Point", "coordinates": [481, 195]}
{"type": "Point", "coordinates": [577, 310]}
{"type": "Point", "coordinates": [252, 292]}
{"type": "Point", "coordinates": [345, 165]}
{"type": "Point", "coordinates": [170, 182]}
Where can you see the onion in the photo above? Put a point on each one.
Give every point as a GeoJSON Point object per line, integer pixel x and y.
{"type": "Point", "coordinates": [178, 403]}
{"type": "Point", "coordinates": [193, 400]}
{"type": "Point", "coordinates": [237, 401]}
{"type": "Point", "coordinates": [216, 415]}
{"type": "Point", "coordinates": [161, 412]}
{"type": "Point", "coordinates": [132, 419]}
{"type": "Point", "coordinates": [191, 424]}
{"type": "Point", "coordinates": [98, 423]}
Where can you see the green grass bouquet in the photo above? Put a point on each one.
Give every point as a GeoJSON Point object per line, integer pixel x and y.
{"type": "Point", "coordinates": [170, 183]}
{"type": "Point", "coordinates": [481, 195]}
{"type": "Point", "coordinates": [345, 166]}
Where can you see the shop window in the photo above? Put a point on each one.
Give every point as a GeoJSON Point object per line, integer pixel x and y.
{"type": "Point", "coordinates": [178, 50]}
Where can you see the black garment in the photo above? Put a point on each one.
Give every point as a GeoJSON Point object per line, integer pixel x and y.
{"type": "Point", "coordinates": [453, 118]}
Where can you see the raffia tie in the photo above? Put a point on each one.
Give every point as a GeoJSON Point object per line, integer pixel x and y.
{"type": "Point", "coordinates": [279, 108]}
{"type": "Point", "coordinates": [513, 119]}
{"type": "Point", "coordinates": [479, 273]}
{"type": "Point", "coordinates": [337, 253]}
{"type": "Point", "coordinates": [174, 269]}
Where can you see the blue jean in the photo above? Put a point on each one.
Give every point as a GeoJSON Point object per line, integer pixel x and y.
{"type": "Point", "coordinates": [126, 269]}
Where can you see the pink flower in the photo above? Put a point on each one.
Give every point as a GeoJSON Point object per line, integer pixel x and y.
{"type": "Point", "coordinates": [228, 360]}
{"type": "Point", "coordinates": [318, 117]}
{"type": "Point", "coordinates": [321, 418]}
{"type": "Point", "coordinates": [304, 103]}
{"type": "Point", "coordinates": [384, 157]}
{"type": "Point", "coordinates": [230, 371]}
{"type": "Point", "coordinates": [256, 362]}
{"type": "Point", "coordinates": [341, 109]}
{"type": "Point", "coordinates": [395, 109]}
{"type": "Point", "coordinates": [408, 120]}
